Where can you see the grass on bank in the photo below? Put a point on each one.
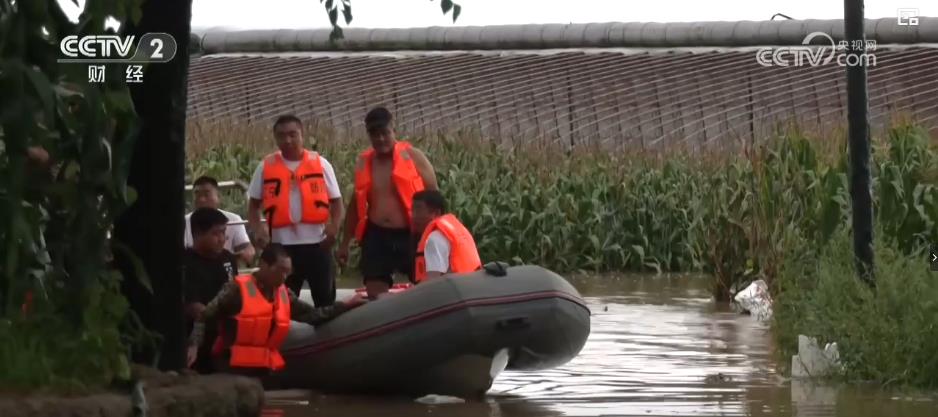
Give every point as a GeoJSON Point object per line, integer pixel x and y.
{"type": "Point", "coordinates": [888, 335]}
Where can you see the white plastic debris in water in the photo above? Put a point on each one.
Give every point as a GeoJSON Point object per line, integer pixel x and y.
{"type": "Point", "coordinates": [434, 399]}
{"type": "Point", "coordinates": [809, 398]}
{"type": "Point", "coordinates": [499, 363]}
{"type": "Point", "coordinates": [756, 300]}
{"type": "Point", "coordinates": [811, 361]}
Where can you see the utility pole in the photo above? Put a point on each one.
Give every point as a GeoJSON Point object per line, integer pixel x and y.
{"type": "Point", "coordinates": [861, 191]}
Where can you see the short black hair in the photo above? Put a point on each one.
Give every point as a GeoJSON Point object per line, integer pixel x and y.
{"type": "Point", "coordinates": [205, 180]}
{"type": "Point", "coordinates": [288, 118]}
{"type": "Point", "coordinates": [378, 118]}
{"type": "Point", "coordinates": [432, 198]}
{"type": "Point", "coordinates": [274, 252]}
{"type": "Point", "coordinates": [204, 219]}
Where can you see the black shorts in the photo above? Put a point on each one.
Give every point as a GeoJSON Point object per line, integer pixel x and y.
{"type": "Point", "coordinates": [385, 251]}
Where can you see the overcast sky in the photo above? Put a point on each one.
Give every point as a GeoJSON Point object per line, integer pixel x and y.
{"type": "Point", "coordinates": [418, 13]}
{"type": "Point", "coordinates": [273, 14]}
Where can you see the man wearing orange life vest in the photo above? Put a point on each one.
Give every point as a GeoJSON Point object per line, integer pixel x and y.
{"type": "Point", "coordinates": [445, 245]}
{"type": "Point", "coordinates": [254, 313]}
{"type": "Point", "coordinates": [379, 214]}
{"type": "Point", "coordinates": [297, 192]}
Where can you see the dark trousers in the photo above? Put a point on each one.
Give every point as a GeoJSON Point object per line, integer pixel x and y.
{"type": "Point", "coordinates": [312, 264]}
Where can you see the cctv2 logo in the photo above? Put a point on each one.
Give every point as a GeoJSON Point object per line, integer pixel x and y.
{"type": "Point", "coordinates": [153, 48]}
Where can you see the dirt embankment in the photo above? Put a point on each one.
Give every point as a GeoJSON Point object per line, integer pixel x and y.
{"type": "Point", "coordinates": [167, 395]}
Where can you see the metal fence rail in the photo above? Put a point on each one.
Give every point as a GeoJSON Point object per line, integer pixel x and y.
{"type": "Point", "coordinates": [241, 185]}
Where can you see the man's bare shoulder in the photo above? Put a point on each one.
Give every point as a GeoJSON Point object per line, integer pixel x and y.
{"type": "Point", "coordinates": [418, 156]}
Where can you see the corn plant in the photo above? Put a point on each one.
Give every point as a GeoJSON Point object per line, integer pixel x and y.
{"type": "Point", "coordinates": [726, 214]}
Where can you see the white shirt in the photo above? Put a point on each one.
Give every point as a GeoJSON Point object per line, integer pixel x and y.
{"type": "Point", "coordinates": [436, 252]}
{"type": "Point", "coordinates": [235, 235]}
{"type": "Point", "coordinates": [298, 233]}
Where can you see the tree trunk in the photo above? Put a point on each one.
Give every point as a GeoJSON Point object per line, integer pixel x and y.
{"type": "Point", "coordinates": [153, 226]}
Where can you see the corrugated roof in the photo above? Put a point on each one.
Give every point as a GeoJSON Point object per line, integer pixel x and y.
{"type": "Point", "coordinates": [624, 98]}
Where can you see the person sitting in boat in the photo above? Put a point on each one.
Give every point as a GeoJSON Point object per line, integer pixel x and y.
{"type": "Point", "coordinates": [253, 312]}
{"type": "Point", "coordinates": [208, 265]}
{"type": "Point", "coordinates": [445, 246]}
{"type": "Point", "coordinates": [205, 195]}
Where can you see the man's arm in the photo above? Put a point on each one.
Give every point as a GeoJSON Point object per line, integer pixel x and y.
{"type": "Point", "coordinates": [351, 221]}
{"type": "Point", "coordinates": [240, 241]}
{"type": "Point", "coordinates": [194, 310]}
{"type": "Point", "coordinates": [351, 213]}
{"type": "Point", "coordinates": [226, 302]}
{"type": "Point", "coordinates": [336, 208]}
{"type": "Point", "coordinates": [336, 213]}
{"type": "Point", "coordinates": [436, 254]}
{"type": "Point", "coordinates": [306, 313]}
{"type": "Point", "coordinates": [254, 214]}
{"type": "Point", "coordinates": [245, 252]}
{"type": "Point", "coordinates": [425, 169]}
{"type": "Point", "coordinates": [255, 193]}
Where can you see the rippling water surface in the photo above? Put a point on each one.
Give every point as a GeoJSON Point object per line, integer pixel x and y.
{"type": "Point", "coordinates": [659, 346]}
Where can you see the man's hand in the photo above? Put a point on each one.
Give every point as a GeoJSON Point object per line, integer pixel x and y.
{"type": "Point", "coordinates": [332, 230]}
{"type": "Point", "coordinates": [191, 355]}
{"type": "Point", "coordinates": [341, 255]}
{"type": "Point", "coordinates": [354, 301]}
{"type": "Point", "coordinates": [261, 235]}
{"type": "Point", "coordinates": [384, 295]}
{"type": "Point", "coordinates": [194, 310]}
{"type": "Point", "coordinates": [38, 154]}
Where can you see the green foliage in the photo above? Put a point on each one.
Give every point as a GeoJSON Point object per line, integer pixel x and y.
{"type": "Point", "coordinates": [54, 219]}
{"type": "Point", "coordinates": [333, 8]}
{"type": "Point", "coordinates": [889, 335]}
{"type": "Point", "coordinates": [907, 192]}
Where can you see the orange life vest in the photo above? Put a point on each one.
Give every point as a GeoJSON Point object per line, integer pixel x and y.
{"type": "Point", "coordinates": [277, 185]}
{"type": "Point", "coordinates": [261, 327]}
{"type": "Point", "coordinates": [404, 175]}
{"type": "Point", "coordinates": [463, 255]}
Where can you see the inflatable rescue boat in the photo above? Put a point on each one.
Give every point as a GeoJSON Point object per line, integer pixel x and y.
{"type": "Point", "coordinates": [449, 336]}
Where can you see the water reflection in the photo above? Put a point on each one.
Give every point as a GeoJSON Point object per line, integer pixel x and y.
{"type": "Point", "coordinates": [659, 347]}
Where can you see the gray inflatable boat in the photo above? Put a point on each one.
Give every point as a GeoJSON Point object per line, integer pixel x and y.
{"type": "Point", "coordinates": [449, 336]}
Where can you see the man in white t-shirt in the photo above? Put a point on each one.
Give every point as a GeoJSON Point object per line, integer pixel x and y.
{"type": "Point", "coordinates": [205, 195]}
{"type": "Point", "coordinates": [446, 245]}
{"type": "Point", "coordinates": [296, 192]}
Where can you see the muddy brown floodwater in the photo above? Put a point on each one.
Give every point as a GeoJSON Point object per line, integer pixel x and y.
{"type": "Point", "coordinates": [659, 346]}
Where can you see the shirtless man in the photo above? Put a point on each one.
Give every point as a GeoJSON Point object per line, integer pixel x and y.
{"type": "Point", "coordinates": [379, 213]}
